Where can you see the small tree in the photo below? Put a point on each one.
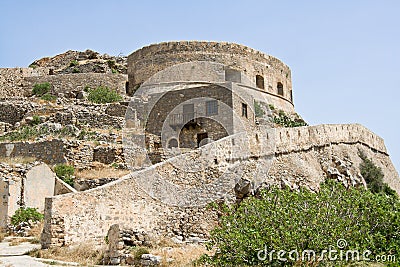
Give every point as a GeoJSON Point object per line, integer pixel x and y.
{"type": "Point", "coordinates": [26, 215]}
{"type": "Point", "coordinates": [373, 176]}
{"type": "Point", "coordinates": [40, 89]}
{"type": "Point", "coordinates": [103, 94]}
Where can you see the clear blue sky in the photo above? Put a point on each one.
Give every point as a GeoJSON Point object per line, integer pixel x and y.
{"type": "Point", "coordinates": [344, 55]}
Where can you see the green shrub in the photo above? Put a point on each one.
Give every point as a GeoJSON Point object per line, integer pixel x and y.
{"type": "Point", "coordinates": [286, 121]}
{"type": "Point", "coordinates": [111, 64]}
{"type": "Point", "coordinates": [114, 71]}
{"type": "Point", "coordinates": [373, 176]}
{"type": "Point", "coordinates": [25, 215]}
{"type": "Point", "coordinates": [73, 63]}
{"type": "Point", "coordinates": [33, 66]}
{"type": "Point", "coordinates": [271, 107]}
{"type": "Point", "coordinates": [75, 70]}
{"type": "Point", "coordinates": [40, 89]}
{"type": "Point", "coordinates": [102, 95]}
{"type": "Point", "coordinates": [65, 173]}
{"type": "Point", "coordinates": [281, 219]}
{"type": "Point", "coordinates": [35, 120]}
{"type": "Point", "coordinates": [48, 97]}
{"type": "Point", "coordinates": [139, 252]}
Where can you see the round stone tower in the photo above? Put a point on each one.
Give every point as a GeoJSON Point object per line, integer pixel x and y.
{"type": "Point", "coordinates": [266, 73]}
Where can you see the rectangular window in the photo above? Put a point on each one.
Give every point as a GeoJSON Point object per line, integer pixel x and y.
{"type": "Point", "coordinates": [212, 107]}
{"type": "Point", "coordinates": [244, 110]}
{"type": "Point", "coordinates": [188, 112]}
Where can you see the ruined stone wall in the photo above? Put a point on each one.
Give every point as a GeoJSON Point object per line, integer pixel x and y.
{"type": "Point", "coordinates": [88, 215]}
{"type": "Point", "coordinates": [147, 61]}
{"type": "Point", "coordinates": [73, 83]}
{"type": "Point", "coordinates": [76, 152]}
{"type": "Point", "coordinates": [25, 185]}
{"type": "Point", "coordinates": [50, 152]}
{"type": "Point", "coordinates": [12, 80]}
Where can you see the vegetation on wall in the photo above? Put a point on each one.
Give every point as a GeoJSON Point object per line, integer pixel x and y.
{"type": "Point", "coordinates": [102, 95]}
{"type": "Point", "coordinates": [284, 120]}
{"type": "Point", "coordinates": [40, 89]}
{"type": "Point", "coordinates": [35, 131]}
{"type": "Point", "coordinates": [281, 219]}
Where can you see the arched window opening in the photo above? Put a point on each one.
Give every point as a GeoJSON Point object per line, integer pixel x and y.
{"type": "Point", "coordinates": [260, 81]}
{"type": "Point", "coordinates": [280, 88]}
{"type": "Point", "coordinates": [173, 143]}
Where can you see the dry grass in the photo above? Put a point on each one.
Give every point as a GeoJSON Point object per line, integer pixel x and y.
{"type": "Point", "coordinates": [17, 241]}
{"type": "Point", "coordinates": [183, 256]}
{"type": "Point", "coordinates": [2, 236]}
{"type": "Point", "coordinates": [85, 254]}
{"type": "Point", "coordinates": [36, 230]}
{"type": "Point", "coordinates": [17, 160]}
{"type": "Point", "coordinates": [101, 172]}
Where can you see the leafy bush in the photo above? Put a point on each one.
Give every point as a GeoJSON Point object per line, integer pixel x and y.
{"type": "Point", "coordinates": [139, 252]}
{"type": "Point", "coordinates": [40, 89]}
{"type": "Point", "coordinates": [33, 66]}
{"type": "Point", "coordinates": [73, 63]}
{"type": "Point", "coordinates": [111, 64]}
{"type": "Point", "coordinates": [373, 176]}
{"type": "Point", "coordinates": [26, 215]}
{"type": "Point", "coordinates": [286, 121]}
{"type": "Point", "coordinates": [281, 219]}
{"type": "Point", "coordinates": [102, 95]}
{"type": "Point", "coordinates": [48, 97]}
{"type": "Point", "coordinates": [35, 120]}
{"type": "Point", "coordinates": [75, 70]}
{"type": "Point", "coordinates": [65, 173]}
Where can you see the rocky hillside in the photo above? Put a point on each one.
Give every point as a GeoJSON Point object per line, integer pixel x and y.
{"type": "Point", "coordinates": [83, 62]}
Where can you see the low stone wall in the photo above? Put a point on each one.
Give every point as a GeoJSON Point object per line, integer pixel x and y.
{"type": "Point", "coordinates": [88, 215]}
{"type": "Point", "coordinates": [77, 152]}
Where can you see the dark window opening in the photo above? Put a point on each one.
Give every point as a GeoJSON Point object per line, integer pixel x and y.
{"type": "Point", "coordinates": [127, 88]}
{"type": "Point", "coordinates": [173, 143]}
{"type": "Point", "coordinates": [201, 137]}
{"type": "Point", "coordinates": [260, 81]}
{"type": "Point", "coordinates": [291, 95]}
{"type": "Point", "coordinates": [51, 71]}
{"type": "Point", "coordinates": [244, 110]}
{"type": "Point", "coordinates": [280, 88]}
{"type": "Point", "coordinates": [212, 107]}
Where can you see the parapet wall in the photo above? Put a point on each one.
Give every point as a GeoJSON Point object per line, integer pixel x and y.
{"type": "Point", "coordinates": [87, 216]}
{"type": "Point", "coordinates": [303, 138]}
{"type": "Point", "coordinates": [145, 62]}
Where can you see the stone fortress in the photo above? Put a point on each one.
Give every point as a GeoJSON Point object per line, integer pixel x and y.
{"type": "Point", "coordinates": [268, 154]}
